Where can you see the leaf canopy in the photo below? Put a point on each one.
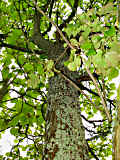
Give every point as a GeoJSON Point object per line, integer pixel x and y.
{"type": "Point", "coordinates": [25, 69]}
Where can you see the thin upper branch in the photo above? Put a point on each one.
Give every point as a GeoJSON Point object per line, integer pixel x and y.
{"type": "Point", "coordinates": [100, 94]}
{"type": "Point", "coordinates": [38, 39]}
{"type": "Point", "coordinates": [60, 32]}
{"type": "Point", "coordinates": [50, 13]}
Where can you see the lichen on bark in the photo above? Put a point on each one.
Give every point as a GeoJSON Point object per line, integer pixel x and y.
{"type": "Point", "coordinates": [64, 135]}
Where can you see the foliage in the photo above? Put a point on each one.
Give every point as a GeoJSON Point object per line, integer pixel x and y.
{"type": "Point", "coordinates": [25, 70]}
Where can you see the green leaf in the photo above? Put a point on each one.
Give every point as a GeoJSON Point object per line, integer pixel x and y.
{"type": "Point", "coordinates": [27, 109]}
{"type": "Point", "coordinates": [91, 52]}
{"type": "Point", "coordinates": [16, 141]}
{"type": "Point", "coordinates": [98, 59]}
{"type": "Point", "coordinates": [8, 59]}
{"type": "Point", "coordinates": [86, 33]}
{"type": "Point", "coordinates": [107, 8]}
{"type": "Point", "coordinates": [50, 65]}
{"type": "Point", "coordinates": [118, 93]}
{"type": "Point", "coordinates": [74, 42]}
{"type": "Point", "coordinates": [86, 45]}
{"type": "Point", "coordinates": [18, 106]}
{"type": "Point", "coordinates": [31, 45]}
{"type": "Point", "coordinates": [112, 86]}
{"type": "Point", "coordinates": [21, 59]}
{"type": "Point", "coordinates": [115, 47]}
{"type": "Point", "coordinates": [28, 67]}
{"type": "Point", "coordinates": [77, 61]}
{"type": "Point", "coordinates": [3, 125]}
{"type": "Point", "coordinates": [11, 40]}
{"type": "Point", "coordinates": [14, 121]}
{"type": "Point", "coordinates": [5, 73]}
{"type": "Point", "coordinates": [66, 63]}
{"type": "Point", "coordinates": [113, 73]}
{"type": "Point", "coordinates": [40, 69]}
{"type": "Point", "coordinates": [72, 66]}
{"type": "Point", "coordinates": [14, 36]}
{"type": "Point", "coordinates": [16, 33]}
{"type": "Point", "coordinates": [23, 119]}
{"type": "Point", "coordinates": [73, 29]}
{"type": "Point", "coordinates": [14, 131]}
{"type": "Point", "coordinates": [72, 2]}
{"type": "Point", "coordinates": [33, 81]}
{"type": "Point", "coordinates": [110, 32]}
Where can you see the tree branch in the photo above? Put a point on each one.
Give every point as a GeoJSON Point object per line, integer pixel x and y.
{"type": "Point", "coordinates": [88, 71]}
{"type": "Point", "coordinates": [50, 13]}
{"type": "Point", "coordinates": [60, 32]}
{"type": "Point", "coordinates": [51, 50]}
{"type": "Point", "coordinates": [100, 94]}
{"type": "Point", "coordinates": [20, 48]}
{"type": "Point", "coordinates": [92, 153]}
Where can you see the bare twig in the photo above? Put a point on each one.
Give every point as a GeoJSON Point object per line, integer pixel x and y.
{"type": "Point", "coordinates": [100, 94]}
{"type": "Point", "coordinates": [104, 93]}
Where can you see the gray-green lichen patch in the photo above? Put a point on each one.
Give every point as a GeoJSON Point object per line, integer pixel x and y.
{"type": "Point", "coordinates": [65, 137]}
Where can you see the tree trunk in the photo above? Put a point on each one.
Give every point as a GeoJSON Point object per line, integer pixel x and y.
{"type": "Point", "coordinates": [65, 137]}
{"type": "Point", "coordinates": [116, 136]}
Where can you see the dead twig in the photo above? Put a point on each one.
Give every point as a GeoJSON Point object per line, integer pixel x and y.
{"type": "Point", "coordinates": [100, 94]}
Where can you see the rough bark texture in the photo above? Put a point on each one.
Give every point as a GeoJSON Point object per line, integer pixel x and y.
{"type": "Point", "coordinates": [65, 137]}
{"type": "Point", "coordinates": [116, 136]}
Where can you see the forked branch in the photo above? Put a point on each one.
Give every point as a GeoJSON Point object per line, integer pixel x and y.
{"type": "Point", "coordinates": [87, 69]}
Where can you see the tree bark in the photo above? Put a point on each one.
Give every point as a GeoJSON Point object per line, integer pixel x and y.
{"type": "Point", "coordinates": [65, 137]}
{"type": "Point", "coordinates": [116, 136]}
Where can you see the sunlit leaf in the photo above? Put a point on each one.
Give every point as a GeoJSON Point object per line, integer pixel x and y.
{"type": "Point", "coordinates": [28, 67]}
{"type": "Point", "coordinates": [13, 131]}
{"type": "Point", "coordinates": [118, 93]}
{"type": "Point", "coordinates": [21, 59]}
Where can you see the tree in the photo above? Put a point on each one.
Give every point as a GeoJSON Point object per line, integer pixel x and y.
{"type": "Point", "coordinates": [55, 82]}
